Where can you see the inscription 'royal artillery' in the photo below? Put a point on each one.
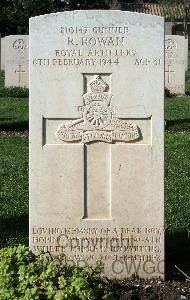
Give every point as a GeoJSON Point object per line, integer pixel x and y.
{"type": "Point", "coordinates": [99, 121]}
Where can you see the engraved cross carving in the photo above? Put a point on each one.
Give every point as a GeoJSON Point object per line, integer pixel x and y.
{"type": "Point", "coordinates": [97, 129]}
{"type": "Point", "coordinates": [19, 72]}
{"type": "Point", "coordinates": [169, 72]}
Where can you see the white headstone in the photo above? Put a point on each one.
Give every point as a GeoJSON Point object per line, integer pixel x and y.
{"type": "Point", "coordinates": [3, 53]}
{"type": "Point", "coordinates": [96, 139]}
{"type": "Point", "coordinates": [175, 63]}
{"type": "Point", "coordinates": [16, 60]}
{"type": "Point", "coordinates": [186, 53]}
{"type": "Point", "coordinates": [182, 33]}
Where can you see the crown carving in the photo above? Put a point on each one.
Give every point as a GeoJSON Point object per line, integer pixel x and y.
{"type": "Point", "coordinates": [98, 85]}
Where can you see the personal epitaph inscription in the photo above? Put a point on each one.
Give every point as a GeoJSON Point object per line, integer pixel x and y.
{"type": "Point", "coordinates": [96, 139]}
{"type": "Point", "coordinates": [175, 64]}
{"type": "Point", "coordinates": [16, 60]}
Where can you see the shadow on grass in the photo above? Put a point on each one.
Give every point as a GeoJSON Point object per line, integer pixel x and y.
{"type": "Point", "coordinates": [16, 126]}
{"type": "Point", "coordinates": [14, 230]}
{"type": "Point", "coordinates": [177, 249]}
{"type": "Point", "coordinates": [178, 125]}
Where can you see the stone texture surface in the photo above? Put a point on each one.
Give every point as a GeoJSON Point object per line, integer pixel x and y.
{"type": "Point", "coordinates": [175, 52]}
{"type": "Point", "coordinates": [168, 27]}
{"type": "Point", "coordinates": [97, 139]}
{"type": "Point", "coordinates": [16, 60]}
{"type": "Point", "coordinates": [186, 53]}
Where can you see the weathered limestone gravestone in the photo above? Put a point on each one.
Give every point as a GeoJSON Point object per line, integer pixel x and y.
{"type": "Point", "coordinates": [182, 33]}
{"type": "Point", "coordinates": [186, 53]}
{"type": "Point", "coordinates": [3, 53]}
{"type": "Point", "coordinates": [96, 139]}
{"type": "Point", "coordinates": [16, 60]}
{"type": "Point", "coordinates": [168, 27]}
{"type": "Point", "coordinates": [175, 63]}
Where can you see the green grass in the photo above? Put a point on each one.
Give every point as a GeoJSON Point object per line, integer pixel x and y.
{"type": "Point", "coordinates": [177, 183]}
{"type": "Point", "coordinates": [177, 201]}
{"type": "Point", "coordinates": [13, 113]}
{"type": "Point", "coordinates": [177, 114]}
{"type": "Point", "coordinates": [13, 190]}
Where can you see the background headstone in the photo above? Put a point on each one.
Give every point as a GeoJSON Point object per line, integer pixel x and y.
{"type": "Point", "coordinates": [175, 63]}
{"type": "Point", "coordinates": [168, 27]}
{"type": "Point", "coordinates": [3, 53]}
{"type": "Point", "coordinates": [96, 139]}
{"type": "Point", "coordinates": [182, 33]}
{"type": "Point", "coordinates": [16, 60]}
{"type": "Point", "coordinates": [186, 53]}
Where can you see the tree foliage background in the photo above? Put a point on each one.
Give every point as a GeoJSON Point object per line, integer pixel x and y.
{"type": "Point", "coordinates": [14, 14]}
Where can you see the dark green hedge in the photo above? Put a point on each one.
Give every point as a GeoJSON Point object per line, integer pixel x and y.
{"type": "Point", "coordinates": [15, 91]}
